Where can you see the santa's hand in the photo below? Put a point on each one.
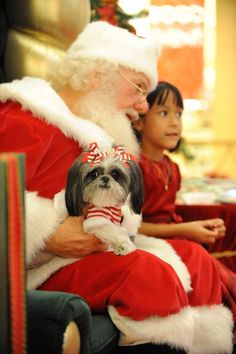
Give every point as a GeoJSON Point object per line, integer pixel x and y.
{"type": "Point", "coordinates": [70, 240]}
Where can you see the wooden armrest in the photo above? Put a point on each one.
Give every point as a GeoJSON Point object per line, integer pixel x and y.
{"type": "Point", "coordinates": [71, 343]}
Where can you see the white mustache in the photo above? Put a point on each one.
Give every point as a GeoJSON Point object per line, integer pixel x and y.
{"type": "Point", "coordinates": [133, 113]}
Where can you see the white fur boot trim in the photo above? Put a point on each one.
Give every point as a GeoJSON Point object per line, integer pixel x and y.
{"type": "Point", "coordinates": [213, 332]}
{"type": "Point", "coordinates": [163, 250]}
{"type": "Point", "coordinates": [175, 330]}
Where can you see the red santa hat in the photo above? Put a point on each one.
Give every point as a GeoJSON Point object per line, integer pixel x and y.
{"type": "Point", "coordinates": [100, 40]}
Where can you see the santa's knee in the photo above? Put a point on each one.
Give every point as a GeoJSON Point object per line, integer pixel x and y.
{"type": "Point", "coordinates": [151, 287]}
{"type": "Point", "coordinates": [194, 255]}
{"type": "Point", "coordinates": [205, 277]}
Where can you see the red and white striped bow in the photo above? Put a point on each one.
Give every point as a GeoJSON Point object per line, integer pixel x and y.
{"type": "Point", "coordinates": [119, 152]}
{"type": "Point", "coordinates": [95, 155]}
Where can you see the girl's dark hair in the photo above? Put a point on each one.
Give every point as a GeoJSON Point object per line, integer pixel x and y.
{"type": "Point", "coordinates": [159, 96]}
{"type": "Point", "coordinates": [160, 93]}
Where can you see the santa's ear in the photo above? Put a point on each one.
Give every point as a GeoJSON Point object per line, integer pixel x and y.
{"type": "Point", "coordinates": [95, 78]}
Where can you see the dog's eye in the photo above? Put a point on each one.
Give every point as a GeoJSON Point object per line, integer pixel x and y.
{"type": "Point", "coordinates": [115, 174]}
{"type": "Point", "coordinates": [94, 174]}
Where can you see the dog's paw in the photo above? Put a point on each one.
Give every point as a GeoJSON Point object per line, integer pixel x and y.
{"type": "Point", "coordinates": [124, 248]}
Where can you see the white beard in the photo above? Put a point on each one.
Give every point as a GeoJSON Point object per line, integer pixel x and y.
{"type": "Point", "coordinates": [100, 109]}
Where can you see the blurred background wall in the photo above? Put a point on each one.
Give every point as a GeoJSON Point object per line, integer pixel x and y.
{"type": "Point", "coordinates": [224, 112]}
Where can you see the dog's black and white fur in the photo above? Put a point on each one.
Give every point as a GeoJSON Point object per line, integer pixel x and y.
{"type": "Point", "coordinates": [112, 181]}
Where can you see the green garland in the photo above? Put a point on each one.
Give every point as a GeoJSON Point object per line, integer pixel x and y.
{"type": "Point", "coordinates": [110, 11]}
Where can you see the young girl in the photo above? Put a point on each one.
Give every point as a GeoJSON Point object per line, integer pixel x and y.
{"type": "Point", "coordinates": [158, 131]}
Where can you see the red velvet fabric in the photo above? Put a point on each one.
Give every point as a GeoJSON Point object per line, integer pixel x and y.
{"type": "Point", "coordinates": [225, 211]}
{"type": "Point", "coordinates": [204, 272]}
{"type": "Point", "coordinates": [159, 204]}
{"type": "Point", "coordinates": [139, 284]}
{"type": "Point", "coordinates": [46, 165]}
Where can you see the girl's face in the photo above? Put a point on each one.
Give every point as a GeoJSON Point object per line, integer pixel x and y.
{"type": "Point", "coordinates": [161, 126]}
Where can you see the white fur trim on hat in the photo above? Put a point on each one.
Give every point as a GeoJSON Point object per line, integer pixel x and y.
{"type": "Point", "coordinates": [100, 40]}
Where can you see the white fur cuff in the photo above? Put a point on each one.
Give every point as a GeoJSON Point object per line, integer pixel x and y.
{"type": "Point", "coordinates": [213, 333]}
{"type": "Point", "coordinates": [176, 330]}
{"type": "Point", "coordinates": [198, 330]}
{"type": "Point", "coordinates": [41, 222]}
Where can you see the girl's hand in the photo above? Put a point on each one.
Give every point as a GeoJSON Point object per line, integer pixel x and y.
{"type": "Point", "coordinates": [70, 240]}
{"type": "Point", "coordinates": [204, 231]}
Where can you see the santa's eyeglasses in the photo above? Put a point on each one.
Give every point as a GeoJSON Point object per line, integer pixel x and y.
{"type": "Point", "coordinates": [138, 90]}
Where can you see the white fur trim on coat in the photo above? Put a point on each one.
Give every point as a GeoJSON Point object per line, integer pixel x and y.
{"type": "Point", "coordinates": [213, 331]}
{"type": "Point", "coordinates": [37, 276]}
{"type": "Point", "coordinates": [42, 219]}
{"type": "Point", "coordinates": [163, 250]}
{"type": "Point", "coordinates": [41, 222]}
{"type": "Point", "coordinates": [198, 330]}
{"type": "Point", "coordinates": [176, 330]}
{"type": "Point", "coordinates": [37, 96]}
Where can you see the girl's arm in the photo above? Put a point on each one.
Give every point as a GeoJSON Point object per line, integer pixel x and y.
{"type": "Point", "coordinates": [201, 231]}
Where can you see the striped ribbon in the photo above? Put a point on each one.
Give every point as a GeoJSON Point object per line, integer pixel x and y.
{"type": "Point", "coordinates": [111, 213]}
{"type": "Point", "coordinates": [95, 155]}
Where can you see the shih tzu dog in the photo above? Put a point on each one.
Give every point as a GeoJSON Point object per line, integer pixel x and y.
{"type": "Point", "coordinates": [98, 185]}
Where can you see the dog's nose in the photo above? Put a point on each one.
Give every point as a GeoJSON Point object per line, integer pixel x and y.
{"type": "Point", "coordinates": [105, 179]}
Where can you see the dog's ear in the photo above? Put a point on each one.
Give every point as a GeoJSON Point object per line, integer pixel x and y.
{"type": "Point", "coordinates": [136, 187]}
{"type": "Point", "coordinates": [73, 194]}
